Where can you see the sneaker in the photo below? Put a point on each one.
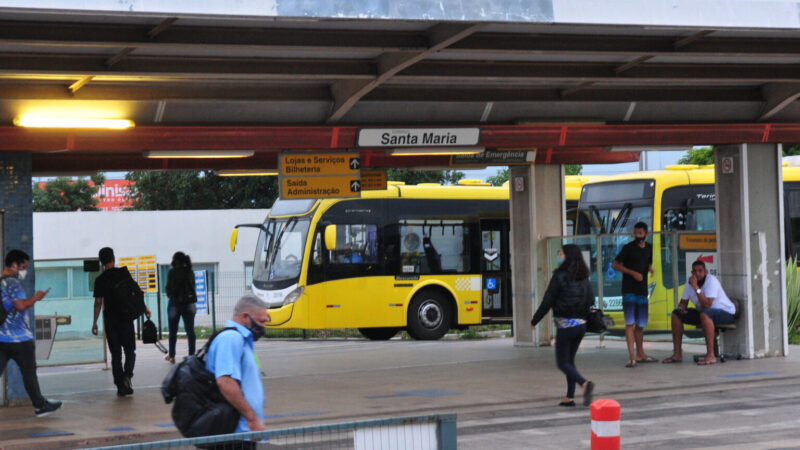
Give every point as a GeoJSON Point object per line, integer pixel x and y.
{"type": "Point", "coordinates": [123, 390]}
{"type": "Point", "coordinates": [47, 409]}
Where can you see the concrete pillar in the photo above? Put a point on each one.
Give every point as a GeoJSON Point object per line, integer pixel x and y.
{"type": "Point", "coordinates": [750, 246]}
{"type": "Point", "coordinates": [16, 205]}
{"type": "Point", "coordinates": [537, 211]}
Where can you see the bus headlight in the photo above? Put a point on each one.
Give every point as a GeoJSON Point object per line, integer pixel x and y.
{"type": "Point", "coordinates": [293, 296]}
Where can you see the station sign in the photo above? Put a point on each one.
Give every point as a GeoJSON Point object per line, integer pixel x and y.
{"type": "Point", "coordinates": [495, 158]}
{"type": "Point", "coordinates": [143, 270]}
{"type": "Point", "coordinates": [698, 241]}
{"type": "Point", "coordinates": [340, 186]}
{"type": "Point", "coordinates": [418, 137]}
{"type": "Point", "coordinates": [373, 180]}
{"type": "Point", "coordinates": [315, 164]}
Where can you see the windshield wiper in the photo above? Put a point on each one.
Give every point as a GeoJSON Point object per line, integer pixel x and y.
{"type": "Point", "coordinates": [600, 220]}
{"type": "Point", "coordinates": [277, 241]}
{"type": "Point", "coordinates": [622, 217]}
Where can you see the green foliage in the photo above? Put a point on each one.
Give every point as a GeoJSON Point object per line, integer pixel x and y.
{"type": "Point", "coordinates": [192, 189]}
{"type": "Point", "coordinates": [499, 178]}
{"type": "Point", "coordinates": [700, 156]}
{"type": "Point", "coordinates": [67, 194]}
{"type": "Point", "coordinates": [410, 176]}
{"type": "Point", "coordinates": [791, 149]}
{"type": "Point", "coordinates": [792, 296]}
{"type": "Point", "coordinates": [502, 175]}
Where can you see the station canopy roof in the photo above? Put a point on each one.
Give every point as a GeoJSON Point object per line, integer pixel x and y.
{"type": "Point", "coordinates": [275, 83]}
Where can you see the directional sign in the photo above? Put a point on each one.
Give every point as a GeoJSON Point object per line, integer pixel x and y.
{"type": "Point", "coordinates": [320, 187]}
{"type": "Point", "coordinates": [373, 180]}
{"type": "Point", "coordinates": [314, 164]}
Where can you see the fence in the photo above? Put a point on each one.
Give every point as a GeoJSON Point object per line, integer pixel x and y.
{"type": "Point", "coordinates": [431, 432]}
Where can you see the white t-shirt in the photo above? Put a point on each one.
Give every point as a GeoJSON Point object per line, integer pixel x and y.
{"type": "Point", "coordinates": [711, 289]}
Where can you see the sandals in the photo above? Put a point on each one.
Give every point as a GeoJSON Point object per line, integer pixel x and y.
{"type": "Point", "coordinates": [649, 359]}
{"type": "Point", "coordinates": [706, 363]}
{"type": "Point", "coordinates": [631, 364]}
{"type": "Point", "coordinates": [169, 359]}
{"type": "Point", "coordinates": [672, 360]}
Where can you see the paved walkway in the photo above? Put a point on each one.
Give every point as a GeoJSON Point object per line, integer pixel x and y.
{"type": "Point", "coordinates": [504, 395]}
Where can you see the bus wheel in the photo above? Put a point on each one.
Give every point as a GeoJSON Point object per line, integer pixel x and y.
{"type": "Point", "coordinates": [429, 316]}
{"type": "Point", "coordinates": [378, 334]}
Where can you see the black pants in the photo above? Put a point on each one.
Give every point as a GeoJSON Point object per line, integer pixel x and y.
{"type": "Point", "coordinates": [121, 337]}
{"type": "Point", "coordinates": [175, 312]}
{"type": "Point", "coordinates": [567, 342]}
{"type": "Point", "coordinates": [24, 354]}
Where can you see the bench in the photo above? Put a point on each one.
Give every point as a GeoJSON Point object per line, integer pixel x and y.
{"type": "Point", "coordinates": [721, 357]}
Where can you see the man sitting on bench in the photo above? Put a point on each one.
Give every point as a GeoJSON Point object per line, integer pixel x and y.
{"type": "Point", "coordinates": [712, 307]}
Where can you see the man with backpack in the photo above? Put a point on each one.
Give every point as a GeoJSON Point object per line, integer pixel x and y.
{"type": "Point", "coordinates": [16, 333]}
{"type": "Point", "coordinates": [233, 362]}
{"type": "Point", "coordinates": [118, 295]}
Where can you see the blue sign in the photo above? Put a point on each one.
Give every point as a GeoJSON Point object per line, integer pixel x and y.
{"type": "Point", "coordinates": [201, 289]}
{"type": "Point", "coordinates": [491, 284]}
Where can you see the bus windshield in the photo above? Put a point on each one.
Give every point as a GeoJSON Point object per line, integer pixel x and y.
{"type": "Point", "coordinates": [279, 252]}
{"type": "Point", "coordinates": [615, 207]}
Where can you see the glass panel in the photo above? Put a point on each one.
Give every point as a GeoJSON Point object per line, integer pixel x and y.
{"type": "Point", "coordinates": [291, 207]}
{"type": "Point", "coordinates": [610, 220]}
{"type": "Point", "coordinates": [248, 275]}
{"type": "Point", "coordinates": [588, 249]}
{"type": "Point", "coordinates": [279, 253]}
{"type": "Point", "coordinates": [492, 251]}
{"type": "Point", "coordinates": [355, 244]}
{"type": "Point", "coordinates": [54, 279]}
{"type": "Point", "coordinates": [80, 283]}
{"type": "Point", "coordinates": [617, 191]}
{"type": "Point", "coordinates": [440, 246]}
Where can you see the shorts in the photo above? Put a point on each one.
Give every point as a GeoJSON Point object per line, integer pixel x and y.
{"type": "Point", "coordinates": [636, 309]}
{"type": "Point", "coordinates": [692, 316]}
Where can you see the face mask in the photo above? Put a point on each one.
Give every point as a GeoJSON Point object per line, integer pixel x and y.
{"type": "Point", "coordinates": [638, 240]}
{"type": "Point", "coordinates": [560, 260]}
{"type": "Point", "coordinates": [22, 274]}
{"type": "Point", "coordinates": [258, 330]}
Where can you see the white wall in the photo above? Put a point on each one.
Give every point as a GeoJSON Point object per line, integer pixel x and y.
{"type": "Point", "coordinates": [203, 235]}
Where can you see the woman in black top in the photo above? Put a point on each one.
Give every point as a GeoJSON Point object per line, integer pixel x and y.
{"type": "Point", "coordinates": [182, 298]}
{"type": "Point", "coordinates": [570, 296]}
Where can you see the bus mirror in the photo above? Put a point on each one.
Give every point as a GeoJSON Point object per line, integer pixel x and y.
{"type": "Point", "coordinates": [234, 237]}
{"type": "Point", "coordinates": [330, 237]}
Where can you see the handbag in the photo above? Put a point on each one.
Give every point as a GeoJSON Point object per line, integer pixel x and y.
{"type": "Point", "coordinates": [595, 322]}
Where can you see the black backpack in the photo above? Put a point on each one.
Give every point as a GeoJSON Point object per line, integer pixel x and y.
{"type": "Point", "coordinates": [128, 298]}
{"type": "Point", "coordinates": [150, 335]}
{"type": "Point", "coordinates": [200, 408]}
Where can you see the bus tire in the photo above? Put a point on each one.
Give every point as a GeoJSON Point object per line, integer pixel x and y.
{"type": "Point", "coordinates": [378, 334]}
{"type": "Point", "coordinates": [429, 315]}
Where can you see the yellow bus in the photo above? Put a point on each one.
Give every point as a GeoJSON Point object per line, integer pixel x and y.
{"type": "Point", "coordinates": [680, 198]}
{"type": "Point", "coordinates": [424, 258]}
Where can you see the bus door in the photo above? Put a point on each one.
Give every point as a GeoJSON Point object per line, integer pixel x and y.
{"type": "Point", "coordinates": [495, 269]}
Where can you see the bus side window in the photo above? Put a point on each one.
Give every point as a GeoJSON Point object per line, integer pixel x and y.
{"type": "Point", "coordinates": [355, 244]}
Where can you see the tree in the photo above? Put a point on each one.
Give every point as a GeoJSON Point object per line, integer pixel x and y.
{"type": "Point", "coordinates": [699, 156]}
{"type": "Point", "coordinates": [193, 189]}
{"type": "Point", "coordinates": [409, 176]}
{"type": "Point", "coordinates": [67, 194]}
{"type": "Point", "coordinates": [502, 175]}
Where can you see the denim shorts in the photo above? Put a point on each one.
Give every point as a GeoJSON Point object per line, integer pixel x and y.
{"type": "Point", "coordinates": [636, 309]}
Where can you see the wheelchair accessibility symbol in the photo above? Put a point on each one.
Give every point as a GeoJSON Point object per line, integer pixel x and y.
{"type": "Point", "coordinates": [491, 284]}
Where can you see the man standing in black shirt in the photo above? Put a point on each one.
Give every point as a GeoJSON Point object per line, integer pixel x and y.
{"type": "Point", "coordinates": [119, 331]}
{"type": "Point", "coordinates": [635, 260]}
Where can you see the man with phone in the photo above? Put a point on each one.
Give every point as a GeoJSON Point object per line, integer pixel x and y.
{"type": "Point", "coordinates": [712, 307]}
{"type": "Point", "coordinates": [16, 332]}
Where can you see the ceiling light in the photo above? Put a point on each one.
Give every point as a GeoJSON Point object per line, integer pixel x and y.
{"type": "Point", "coordinates": [72, 122]}
{"type": "Point", "coordinates": [247, 173]}
{"type": "Point", "coordinates": [436, 151]}
{"type": "Point", "coordinates": [204, 154]}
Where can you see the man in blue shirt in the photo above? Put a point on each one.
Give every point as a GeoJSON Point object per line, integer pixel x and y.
{"type": "Point", "coordinates": [234, 364]}
{"type": "Point", "coordinates": [16, 333]}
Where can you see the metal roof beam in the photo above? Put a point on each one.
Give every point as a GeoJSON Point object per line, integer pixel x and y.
{"type": "Point", "coordinates": [778, 96]}
{"type": "Point", "coordinates": [348, 93]}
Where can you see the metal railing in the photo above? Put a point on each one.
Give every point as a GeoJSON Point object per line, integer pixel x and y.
{"type": "Point", "coordinates": [430, 432]}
